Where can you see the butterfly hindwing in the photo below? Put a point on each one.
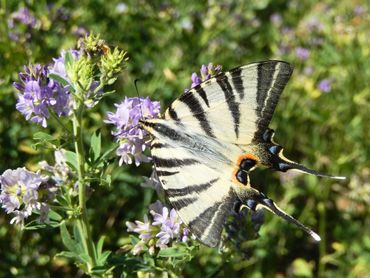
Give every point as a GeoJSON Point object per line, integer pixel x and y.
{"type": "Point", "coordinates": [197, 190]}
{"type": "Point", "coordinates": [236, 106]}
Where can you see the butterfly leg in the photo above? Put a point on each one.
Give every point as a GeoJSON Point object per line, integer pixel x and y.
{"type": "Point", "coordinates": [256, 200]}
{"type": "Point", "coordinates": [275, 159]}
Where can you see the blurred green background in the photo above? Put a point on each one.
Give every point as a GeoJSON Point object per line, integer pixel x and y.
{"type": "Point", "coordinates": [322, 120]}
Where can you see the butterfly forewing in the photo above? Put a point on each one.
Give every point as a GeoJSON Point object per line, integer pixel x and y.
{"type": "Point", "coordinates": [236, 106]}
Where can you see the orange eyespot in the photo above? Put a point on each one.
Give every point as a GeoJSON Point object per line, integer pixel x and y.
{"type": "Point", "coordinates": [244, 163]}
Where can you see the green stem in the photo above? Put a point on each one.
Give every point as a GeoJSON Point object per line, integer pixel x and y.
{"type": "Point", "coordinates": [82, 222]}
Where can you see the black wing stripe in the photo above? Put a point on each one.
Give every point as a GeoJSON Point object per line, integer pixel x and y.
{"type": "Point", "coordinates": [166, 173]}
{"type": "Point", "coordinates": [166, 131]}
{"type": "Point", "coordinates": [202, 94]}
{"type": "Point", "coordinates": [157, 145]}
{"type": "Point", "coordinates": [198, 112]}
{"type": "Point", "coordinates": [230, 100]}
{"type": "Point", "coordinates": [190, 189]}
{"type": "Point", "coordinates": [213, 235]}
{"type": "Point", "coordinates": [183, 202]}
{"type": "Point", "coordinates": [202, 221]}
{"type": "Point", "coordinates": [265, 73]}
{"type": "Point", "coordinates": [172, 113]}
{"type": "Point", "coordinates": [236, 78]}
{"type": "Point", "coordinates": [267, 101]}
{"type": "Point", "coordinates": [170, 163]}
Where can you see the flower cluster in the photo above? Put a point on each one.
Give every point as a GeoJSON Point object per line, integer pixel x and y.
{"type": "Point", "coordinates": [132, 139]}
{"type": "Point", "coordinates": [24, 18]}
{"type": "Point", "coordinates": [40, 95]}
{"type": "Point", "coordinates": [23, 192]}
{"type": "Point", "coordinates": [206, 72]}
{"type": "Point", "coordinates": [165, 229]}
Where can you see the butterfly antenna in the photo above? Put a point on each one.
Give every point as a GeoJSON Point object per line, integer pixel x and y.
{"type": "Point", "coordinates": [137, 92]}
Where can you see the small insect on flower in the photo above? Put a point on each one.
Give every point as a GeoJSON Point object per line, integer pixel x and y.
{"type": "Point", "coordinates": [133, 141]}
{"type": "Point", "coordinates": [23, 192]}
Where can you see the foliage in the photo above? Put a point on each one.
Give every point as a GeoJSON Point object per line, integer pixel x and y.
{"type": "Point", "coordinates": [321, 120]}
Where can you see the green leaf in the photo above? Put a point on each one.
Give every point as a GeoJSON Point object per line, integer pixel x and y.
{"type": "Point", "coordinates": [134, 239]}
{"type": "Point", "coordinates": [53, 215]}
{"type": "Point", "coordinates": [95, 145]}
{"type": "Point", "coordinates": [78, 239]}
{"type": "Point", "coordinates": [178, 251]}
{"type": "Point", "coordinates": [103, 258]}
{"type": "Point", "coordinates": [35, 225]}
{"type": "Point", "coordinates": [63, 201]}
{"type": "Point", "coordinates": [71, 159]}
{"type": "Point", "coordinates": [109, 152]}
{"type": "Point", "coordinates": [99, 246]}
{"type": "Point", "coordinates": [99, 270]}
{"type": "Point", "coordinates": [60, 79]}
{"type": "Point", "coordinates": [67, 254]}
{"type": "Point", "coordinates": [45, 137]}
{"type": "Point", "coordinates": [67, 240]}
{"type": "Point", "coordinates": [68, 59]}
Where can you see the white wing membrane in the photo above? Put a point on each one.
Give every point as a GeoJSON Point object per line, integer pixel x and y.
{"type": "Point", "coordinates": [199, 188]}
{"type": "Point", "coordinates": [233, 106]}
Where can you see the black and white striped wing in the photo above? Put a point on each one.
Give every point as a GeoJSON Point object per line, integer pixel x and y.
{"type": "Point", "coordinates": [201, 195]}
{"type": "Point", "coordinates": [235, 106]}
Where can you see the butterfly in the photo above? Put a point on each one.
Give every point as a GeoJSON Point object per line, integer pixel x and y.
{"type": "Point", "coordinates": [211, 137]}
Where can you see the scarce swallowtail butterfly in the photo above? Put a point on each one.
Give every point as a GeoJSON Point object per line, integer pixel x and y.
{"type": "Point", "coordinates": [209, 140]}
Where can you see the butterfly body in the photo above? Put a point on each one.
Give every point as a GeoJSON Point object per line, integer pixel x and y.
{"type": "Point", "coordinates": [209, 140]}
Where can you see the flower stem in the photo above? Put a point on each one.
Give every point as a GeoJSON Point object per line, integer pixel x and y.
{"type": "Point", "coordinates": [82, 222]}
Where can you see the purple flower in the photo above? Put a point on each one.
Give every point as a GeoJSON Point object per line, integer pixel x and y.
{"type": "Point", "coordinates": [276, 19]}
{"type": "Point", "coordinates": [206, 72]}
{"type": "Point", "coordinates": [58, 66]}
{"type": "Point", "coordinates": [80, 31]}
{"type": "Point", "coordinates": [165, 230]}
{"type": "Point", "coordinates": [23, 191]}
{"type": "Point", "coordinates": [39, 94]}
{"type": "Point", "coordinates": [144, 229]}
{"type": "Point", "coordinates": [302, 53]}
{"type": "Point", "coordinates": [36, 94]}
{"type": "Point", "coordinates": [132, 139]}
{"type": "Point", "coordinates": [185, 235]}
{"type": "Point", "coordinates": [170, 226]}
{"type": "Point", "coordinates": [24, 16]}
{"type": "Point", "coordinates": [196, 80]}
{"type": "Point", "coordinates": [324, 86]}
{"type": "Point", "coordinates": [359, 10]}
